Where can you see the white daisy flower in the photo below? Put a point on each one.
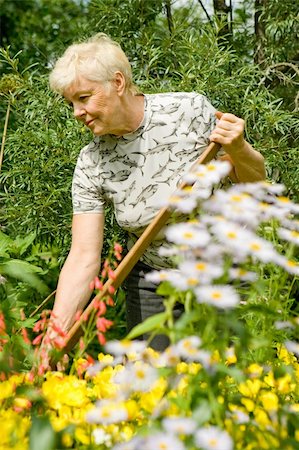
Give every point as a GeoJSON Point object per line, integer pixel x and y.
{"type": "Point", "coordinates": [107, 413]}
{"type": "Point", "coordinates": [289, 235]}
{"type": "Point", "coordinates": [237, 273]}
{"type": "Point", "coordinates": [221, 296]}
{"type": "Point", "coordinates": [291, 224]}
{"type": "Point", "coordinates": [232, 236]}
{"type": "Point", "coordinates": [137, 377]}
{"type": "Point", "coordinates": [190, 234]}
{"type": "Point", "coordinates": [260, 189]}
{"type": "Point", "coordinates": [261, 249]}
{"type": "Point", "coordinates": [287, 204]}
{"type": "Point", "coordinates": [179, 425]}
{"type": "Point", "coordinates": [125, 347]}
{"type": "Point", "coordinates": [188, 349]}
{"type": "Point", "coordinates": [292, 347]}
{"type": "Point", "coordinates": [158, 276]}
{"type": "Point", "coordinates": [101, 437]}
{"type": "Point", "coordinates": [236, 206]}
{"type": "Point", "coordinates": [143, 376]}
{"type": "Point", "coordinates": [283, 324]}
{"type": "Point", "coordinates": [134, 444]}
{"type": "Point", "coordinates": [184, 282]}
{"type": "Point", "coordinates": [163, 441]}
{"type": "Point", "coordinates": [208, 174]}
{"type": "Point", "coordinates": [169, 251]}
{"type": "Point", "coordinates": [170, 357]}
{"type": "Point", "coordinates": [213, 438]}
{"type": "Point", "coordinates": [268, 211]}
{"type": "Point", "coordinates": [289, 265]}
{"type": "Point", "coordinates": [99, 366]}
{"type": "Point", "coordinates": [239, 416]}
{"type": "Point", "coordinates": [182, 202]}
{"type": "Point", "coordinates": [202, 271]}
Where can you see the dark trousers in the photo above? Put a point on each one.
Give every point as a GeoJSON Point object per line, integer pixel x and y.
{"type": "Point", "coordinates": [143, 302]}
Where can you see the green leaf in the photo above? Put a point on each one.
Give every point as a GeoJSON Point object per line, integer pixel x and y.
{"type": "Point", "coordinates": [166, 289]}
{"type": "Point", "coordinates": [148, 325]}
{"type": "Point", "coordinates": [203, 413]}
{"type": "Point", "coordinates": [23, 271]}
{"type": "Point", "coordinates": [186, 319]}
{"type": "Point", "coordinates": [21, 244]}
{"type": "Point", "coordinates": [5, 242]}
{"type": "Point", "coordinates": [42, 436]}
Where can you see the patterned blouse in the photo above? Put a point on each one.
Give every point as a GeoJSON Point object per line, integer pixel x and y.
{"type": "Point", "coordinates": [138, 171]}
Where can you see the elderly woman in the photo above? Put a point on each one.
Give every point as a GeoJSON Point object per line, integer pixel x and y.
{"type": "Point", "coordinates": [142, 145]}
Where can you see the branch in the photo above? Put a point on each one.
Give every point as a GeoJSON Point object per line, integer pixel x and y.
{"type": "Point", "coordinates": [4, 134]}
{"type": "Point", "coordinates": [206, 12]}
{"type": "Point", "coordinates": [169, 15]}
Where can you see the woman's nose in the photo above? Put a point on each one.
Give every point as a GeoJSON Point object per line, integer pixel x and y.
{"type": "Point", "coordinates": [79, 111]}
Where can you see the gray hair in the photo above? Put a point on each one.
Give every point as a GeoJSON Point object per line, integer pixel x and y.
{"type": "Point", "coordinates": [96, 59]}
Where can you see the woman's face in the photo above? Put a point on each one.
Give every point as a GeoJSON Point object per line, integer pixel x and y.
{"type": "Point", "coordinates": [97, 105]}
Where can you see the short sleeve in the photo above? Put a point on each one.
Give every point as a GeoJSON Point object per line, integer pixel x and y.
{"type": "Point", "coordinates": [86, 186]}
{"type": "Point", "coordinates": [205, 113]}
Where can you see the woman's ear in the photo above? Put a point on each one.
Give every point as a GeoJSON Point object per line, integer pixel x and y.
{"type": "Point", "coordinates": [119, 82]}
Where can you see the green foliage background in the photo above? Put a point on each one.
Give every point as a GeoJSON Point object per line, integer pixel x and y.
{"type": "Point", "coordinates": [181, 52]}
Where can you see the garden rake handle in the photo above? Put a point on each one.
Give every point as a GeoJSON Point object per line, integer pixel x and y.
{"type": "Point", "coordinates": [129, 261]}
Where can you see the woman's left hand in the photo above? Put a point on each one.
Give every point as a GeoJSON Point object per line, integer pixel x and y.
{"type": "Point", "coordinates": [229, 132]}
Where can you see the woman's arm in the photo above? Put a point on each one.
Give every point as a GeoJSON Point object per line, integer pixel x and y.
{"type": "Point", "coordinates": [247, 164]}
{"type": "Point", "coordinates": [80, 268]}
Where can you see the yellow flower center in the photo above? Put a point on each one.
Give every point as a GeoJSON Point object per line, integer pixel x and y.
{"type": "Point", "coordinates": [192, 281]}
{"type": "Point", "coordinates": [140, 374]}
{"type": "Point", "coordinates": [283, 199]}
{"type": "Point", "coordinates": [236, 198]}
{"type": "Point", "coordinates": [163, 446]}
{"type": "Point", "coordinates": [200, 266]}
{"type": "Point", "coordinates": [216, 295]}
{"type": "Point", "coordinates": [188, 188]}
{"type": "Point", "coordinates": [213, 442]}
{"type": "Point", "coordinates": [231, 235]}
{"type": "Point", "coordinates": [211, 167]}
{"type": "Point", "coordinates": [188, 235]}
{"type": "Point", "coordinates": [255, 246]}
{"type": "Point", "coordinates": [175, 199]}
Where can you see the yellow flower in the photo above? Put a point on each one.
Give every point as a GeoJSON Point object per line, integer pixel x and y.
{"type": "Point", "coordinates": [250, 388]}
{"type": "Point", "coordinates": [107, 359]}
{"type": "Point", "coordinates": [6, 390]}
{"type": "Point", "coordinates": [269, 379]}
{"type": "Point", "coordinates": [269, 400]}
{"type": "Point", "coordinates": [182, 367]}
{"type": "Point", "coordinates": [149, 400]}
{"type": "Point", "coordinates": [132, 408]}
{"type": "Point", "coordinates": [83, 435]}
{"type": "Point", "coordinates": [127, 432]}
{"type": "Point", "coordinates": [262, 418]}
{"type": "Point", "coordinates": [285, 355]}
{"type": "Point", "coordinates": [14, 429]}
{"type": "Point", "coordinates": [249, 404]}
{"type": "Point", "coordinates": [230, 356]}
{"type": "Point", "coordinates": [266, 441]}
{"type": "Point", "coordinates": [255, 370]}
{"type": "Point", "coordinates": [67, 440]}
{"type": "Point", "coordinates": [103, 384]}
{"type": "Point", "coordinates": [22, 403]}
{"type": "Point", "coordinates": [68, 391]}
{"type": "Point", "coordinates": [284, 384]}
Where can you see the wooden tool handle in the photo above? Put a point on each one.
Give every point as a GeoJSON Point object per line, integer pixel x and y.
{"type": "Point", "coordinates": [134, 254]}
